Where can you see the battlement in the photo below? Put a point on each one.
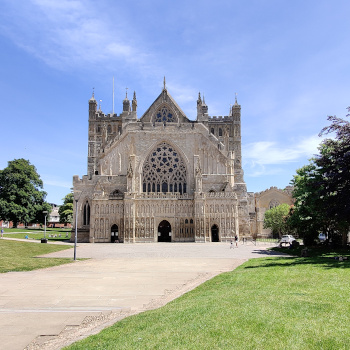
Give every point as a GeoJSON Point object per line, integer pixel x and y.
{"type": "Point", "coordinates": [220, 119]}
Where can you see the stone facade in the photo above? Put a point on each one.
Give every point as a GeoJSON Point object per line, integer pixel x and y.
{"type": "Point", "coordinates": [162, 177]}
{"type": "Point", "coordinates": [261, 201]}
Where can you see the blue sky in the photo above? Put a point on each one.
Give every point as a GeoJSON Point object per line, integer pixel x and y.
{"type": "Point", "coordinates": [288, 62]}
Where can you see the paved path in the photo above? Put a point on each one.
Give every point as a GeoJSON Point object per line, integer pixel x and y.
{"type": "Point", "coordinates": [117, 280]}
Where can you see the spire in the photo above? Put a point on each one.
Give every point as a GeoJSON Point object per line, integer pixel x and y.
{"type": "Point", "coordinates": [164, 84]}
{"type": "Point", "coordinates": [92, 99]}
{"type": "Point", "coordinates": [236, 103]}
{"type": "Point", "coordinates": [134, 102]}
{"type": "Point", "coordinates": [199, 101]}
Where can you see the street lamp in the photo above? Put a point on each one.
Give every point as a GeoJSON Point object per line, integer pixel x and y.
{"type": "Point", "coordinates": [44, 240]}
{"type": "Point", "coordinates": [76, 229]}
{"type": "Point", "coordinates": [76, 222]}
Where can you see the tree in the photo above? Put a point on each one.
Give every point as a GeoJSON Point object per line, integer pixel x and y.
{"type": "Point", "coordinates": [66, 209]}
{"type": "Point", "coordinates": [21, 196]}
{"type": "Point", "coordinates": [322, 188]}
{"type": "Point", "coordinates": [307, 215]}
{"type": "Point", "coordinates": [334, 159]}
{"type": "Point", "coordinates": [277, 219]}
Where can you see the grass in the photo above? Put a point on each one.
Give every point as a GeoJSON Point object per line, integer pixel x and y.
{"type": "Point", "coordinates": [21, 256]}
{"type": "Point", "coordinates": [38, 233]}
{"type": "Point", "coordinates": [266, 303]}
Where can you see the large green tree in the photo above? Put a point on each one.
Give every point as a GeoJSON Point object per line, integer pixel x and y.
{"type": "Point", "coordinates": [307, 215]}
{"type": "Point", "coordinates": [277, 219]}
{"type": "Point", "coordinates": [66, 209]}
{"type": "Point", "coordinates": [322, 188]}
{"type": "Point", "coordinates": [334, 160]}
{"type": "Point", "coordinates": [22, 199]}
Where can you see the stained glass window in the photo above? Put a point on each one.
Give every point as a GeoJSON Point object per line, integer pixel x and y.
{"type": "Point", "coordinates": [164, 115]}
{"type": "Point", "coordinates": [164, 171]}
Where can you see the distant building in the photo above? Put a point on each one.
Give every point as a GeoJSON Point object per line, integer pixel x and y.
{"type": "Point", "coordinates": [54, 218]}
{"type": "Point", "coordinates": [260, 202]}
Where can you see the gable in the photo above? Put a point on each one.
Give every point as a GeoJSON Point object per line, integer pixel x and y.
{"type": "Point", "coordinates": [164, 110]}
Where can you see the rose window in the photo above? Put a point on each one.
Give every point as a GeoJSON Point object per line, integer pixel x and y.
{"type": "Point", "coordinates": [164, 171]}
{"type": "Point", "coordinates": [164, 115]}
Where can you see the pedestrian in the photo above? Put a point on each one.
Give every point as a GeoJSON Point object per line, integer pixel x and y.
{"type": "Point", "coordinates": [231, 245]}
{"type": "Point", "coordinates": [2, 233]}
{"type": "Point", "coordinates": [236, 240]}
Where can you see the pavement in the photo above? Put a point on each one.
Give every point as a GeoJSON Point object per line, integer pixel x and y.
{"type": "Point", "coordinates": [51, 308]}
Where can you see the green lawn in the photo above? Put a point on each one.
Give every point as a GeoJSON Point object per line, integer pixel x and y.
{"type": "Point", "coordinates": [267, 303]}
{"type": "Point", "coordinates": [52, 234]}
{"type": "Point", "coordinates": [21, 256]}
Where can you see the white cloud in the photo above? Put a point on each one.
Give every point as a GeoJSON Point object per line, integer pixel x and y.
{"type": "Point", "coordinates": [268, 153]}
{"type": "Point", "coordinates": [50, 181]}
{"type": "Point", "coordinates": [66, 34]}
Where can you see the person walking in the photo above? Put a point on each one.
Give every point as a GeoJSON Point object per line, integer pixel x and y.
{"type": "Point", "coordinates": [2, 233]}
{"type": "Point", "coordinates": [236, 240]}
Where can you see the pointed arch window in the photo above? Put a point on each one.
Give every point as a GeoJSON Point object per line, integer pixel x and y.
{"type": "Point", "coordinates": [86, 218]}
{"type": "Point", "coordinates": [164, 171]}
{"type": "Point", "coordinates": [220, 132]}
{"type": "Point", "coordinates": [165, 115]}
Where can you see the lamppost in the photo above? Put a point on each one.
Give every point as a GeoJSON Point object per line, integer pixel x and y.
{"type": "Point", "coordinates": [76, 221]}
{"type": "Point", "coordinates": [76, 229]}
{"type": "Point", "coordinates": [44, 240]}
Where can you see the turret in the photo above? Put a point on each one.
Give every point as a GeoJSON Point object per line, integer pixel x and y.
{"type": "Point", "coordinates": [134, 103]}
{"type": "Point", "coordinates": [128, 115]}
{"type": "Point", "coordinates": [202, 110]}
{"type": "Point", "coordinates": [236, 111]}
{"type": "Point", "coordinates": [126, 104]}
{"type": "Point", "coordinates": [92, 106]}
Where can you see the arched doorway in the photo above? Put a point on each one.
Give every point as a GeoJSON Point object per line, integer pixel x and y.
{"type": "Point", "coordinates": [114, 234]}
{"type": "Point", "coordinates": [214, 233]}
{"type": "Point", "coordinates": [164, 231]}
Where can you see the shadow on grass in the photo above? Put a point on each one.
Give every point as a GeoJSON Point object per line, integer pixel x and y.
{"type": "Point", "coordinates": [322, 256]}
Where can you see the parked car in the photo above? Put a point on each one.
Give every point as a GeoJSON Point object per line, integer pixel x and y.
{"type": "Point", "coordinates": [286, 239]}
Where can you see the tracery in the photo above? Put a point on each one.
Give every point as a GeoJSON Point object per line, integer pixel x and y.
{"type": "Point", "coordinates": [165, 115]}
{"type": "Point", "coordinates": [164, 171]}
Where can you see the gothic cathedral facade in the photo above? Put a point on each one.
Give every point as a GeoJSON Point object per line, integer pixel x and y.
{"type": "Point", "coordinates": [162, 177]}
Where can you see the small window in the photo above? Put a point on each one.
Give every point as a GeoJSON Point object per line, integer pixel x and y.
{"type": "Point", "coordinates": [220, 132]}
{"type": "Point", "coordinates": [212, 130]}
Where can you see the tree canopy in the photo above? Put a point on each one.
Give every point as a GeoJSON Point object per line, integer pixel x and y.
{"type": "Point", "coordinates": [322, 188]}
{"type": "Point", "coordinates": [21, 196]}
{"type": "Point", "coordinates": [277, 219]}
{"type": "Point", "coordinates": [66, 209]}
{"type": "Point", "coordinates": [334, 159]}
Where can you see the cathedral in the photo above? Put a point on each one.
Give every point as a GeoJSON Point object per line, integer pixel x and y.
{"type": "Point", "coordinates": [162, 177]}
